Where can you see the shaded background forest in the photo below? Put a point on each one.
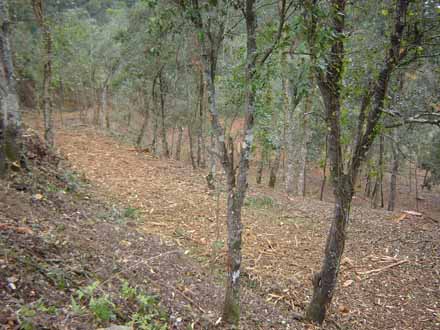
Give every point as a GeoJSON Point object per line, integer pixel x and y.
{"type": "Point", "coordinates": [134, 68]}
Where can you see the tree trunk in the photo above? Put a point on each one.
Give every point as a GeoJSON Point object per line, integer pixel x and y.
{"type": "Point", "coordinates": [393, 180]}
{"type": "Point", "coordinates": [274, 168]}
{"type": "Point", "coordinates": [105, 107]}
{"type": "Point", "coordinates": [381, 169]}
{"type": "Point", "coordinates": [165, 149]}
{"type": "Point", "coordinates": [191, 148]}
{"type": "Point", "coordinates": [329, 82]}
{"type": "Point", "coordinates": [324, 170]}
{"type": "Point", "coordinates": [210, 178]}
{"type": "Point", "coordinates": [290, 146]}
{"type": "Point", "coordinates": [231, 309]}
{"type": "Point", "coordinates": [324, 282]}
{"type": "Point", "coordinates": [61, 102]}
{"type": "Point", "coordinates": [47, 72]}
{"type": "Point", "coordinates": [144, 125]}
{"type": "Point", "coordinates": [304, 142]}
{"type": "Point", "coordinates": [179, 143]}
{"type": "Point", "coordinates": [200, 137]}
{"type": "Point", "coordinates": [426, 183]}
{"type": "Point", "coordinates": [416, 187]}
{"type": "Point", "coordinates": [154, 139]}
{"type": "Point", "coordinates": [10, 117]}
{"type": "Point", "coordinates": [173, 131]}
{"type": "Point", "coordinates": [261, 165]}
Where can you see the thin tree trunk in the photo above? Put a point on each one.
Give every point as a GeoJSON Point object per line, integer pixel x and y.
{"type": "Point", "coordinates": [329, 82]}
{"type": "Point", "coordinates": [381, 169]}
{"type": "Point", "coordinates": [277, 159]}
{"type": "Point", "coordinates": [144, 124]}
{"type": "Point", "coordinates": [61, 102]}
{"type": "Point", "coordinates": [105, 107]}
{"type": "Point", "coordinates": [304, 143]}
{"type": "Point", "coordinates": [200, 121]}
{"type": "Point", "coordinates": [191, 148]}
{"type": "Point", "coordinates": [231, 309]}
{"type": "Point", "coordinates": [154, 139]}
{"type": "Point", "coordinates": [260, 165]}
{"type": "Point", "coordinates": [47, 72]}
{"type": "Point", "coordinates": [165, 149]}
{"type": "Point", "coordinates": [179, 143]}
{"type": "Point", "coordinates": [210, 178]}
{"type": "Point", "coordinates": [324, 173]}
{"type": "Point", "coordinates": [290, 146]}
{"type": "Point", "coordinates": [173, 131]}
{"type": "Point", "coordinates": [10, 116]}
{"type": "Point", "coordinates": [425, 183]}
{"type": "Point", "coordinates": [274, 168]}
{"type": "Point", "coordinates": [416, 182]}
{"type": "Point", "coordinates": [393, 179]}
{"type": "Point", "coordinates": [324, 282]}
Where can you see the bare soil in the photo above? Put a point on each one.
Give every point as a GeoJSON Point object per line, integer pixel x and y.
{"type": "Point", "coordinates": [154, 223]}
{"type": "Point", "coordinates": [283, 237]}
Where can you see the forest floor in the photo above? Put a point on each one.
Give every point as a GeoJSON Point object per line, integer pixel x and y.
{"type": "Point", "coordinates": [135, 220]}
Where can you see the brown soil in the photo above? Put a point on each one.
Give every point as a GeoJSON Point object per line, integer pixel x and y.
{"type": "Point", "coordinates": [173, 246]}
{"type": "Point", "coordinates": [58, 236]}
{"type": "Point", "coordinates": [283, 237]}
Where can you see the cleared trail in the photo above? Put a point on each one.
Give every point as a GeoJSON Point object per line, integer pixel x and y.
{"type": "Point", "coordinates": [283, 237]}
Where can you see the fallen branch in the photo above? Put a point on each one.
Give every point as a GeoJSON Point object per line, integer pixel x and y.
{"type": "Point", "coordinates": [137, 264]}
{"type": "Point", "coordinates": [378, 270]}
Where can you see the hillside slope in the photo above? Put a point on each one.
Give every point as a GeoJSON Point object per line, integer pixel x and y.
{"type": "Point", "coordinates": [70, 259]}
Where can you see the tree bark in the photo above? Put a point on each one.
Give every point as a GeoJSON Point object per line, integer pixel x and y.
{"type": "Point", "coordinates": [394, 173]}
{"type": "Point", "coordinates": [200, 137]}
{"type": "Point", "coordinates": [210, 178]}
{"type": "Point", "coordinates": [416, 177]}
{"type": "Point", "coordinates": [179, 143]}
{"type": "Point", "coordinates": [305, 142]}
{"type": "Point", "coordinates": [10, 116]}
{"type": "Point", "coordinates": [275, 166]}
{"type": "Point", "coordinates": [144, 124]}
{"type": "Point", "coordinates": [47, 72]}
{"type": "Point", "coordinates": [329, 82]}
{"type": "Point", "coordinates": [261, 165]}
{"type": "Point", "coordinates": [105, 107]}
{"type": "Point", "coordinates": [324, 170]}
{"type": "Point", "coordinates": [191, 148]}
{"type": "Point", "coordinates": [236, 186]}
{"type": "Point", "coordinates": [162, 87]}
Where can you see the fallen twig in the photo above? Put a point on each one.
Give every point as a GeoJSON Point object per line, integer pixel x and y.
{"type": "Point", "coordinates": [378, 270]}
{"type": "Point", "coordinates": [137, 264]}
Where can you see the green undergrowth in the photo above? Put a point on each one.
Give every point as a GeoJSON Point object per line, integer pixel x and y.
{"type": "Point", "coordinates": [104, 305]}
{"type": "Point", "coordinates": [260, 202]}
{"type": "Point", "coordinates": [129, 305]}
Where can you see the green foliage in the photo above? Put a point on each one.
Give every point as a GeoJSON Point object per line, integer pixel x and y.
{"type": "Point", "coordinates": [145, 311]}
{"type": "Point", "coordinates": [127, 291]}
{"type": "Point", "coordinates": [131, 212]}
{"type": "Point", "coordinates": [27, 313]}
{"type": "Point", "coordinates": [25, 318]}
{"type": "Point", "coordinates": [102, 308]}
{"type": "Point", "coordinates": [261, 202]}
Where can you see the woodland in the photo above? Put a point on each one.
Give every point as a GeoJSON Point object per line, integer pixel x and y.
{"type": "Point", "coordinates": [219, 164]}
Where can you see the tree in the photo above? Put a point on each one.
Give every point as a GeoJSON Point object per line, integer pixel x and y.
{"type": "Point", "coordinates": [211, 28]}
{"type": "Point", "coordinates": [403, 39]}
{"type": "Point", "coordinates": [10, 117]}
{"type": "Point", "coordinates": [47, 72]}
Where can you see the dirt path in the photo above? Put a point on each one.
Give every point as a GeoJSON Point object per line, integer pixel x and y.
{"type": "Point", "coordinates": [389, 278]}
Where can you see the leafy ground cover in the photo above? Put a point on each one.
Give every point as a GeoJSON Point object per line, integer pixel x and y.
{"type": "Point", "coordinates": [113, 236]}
